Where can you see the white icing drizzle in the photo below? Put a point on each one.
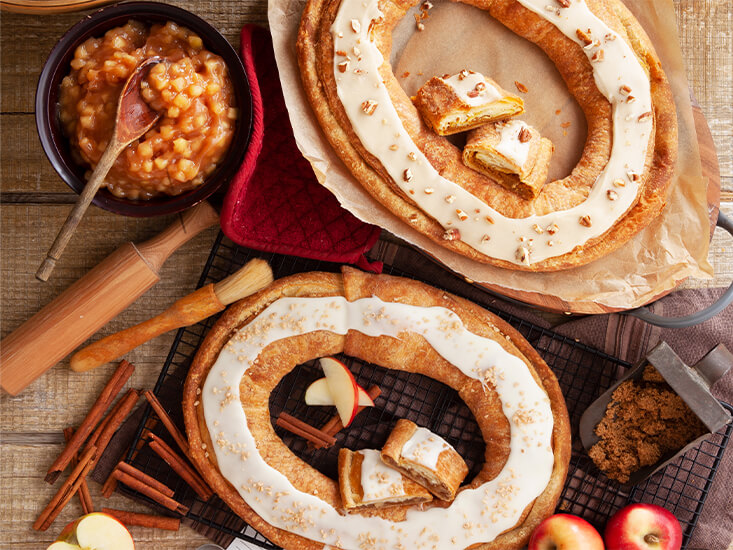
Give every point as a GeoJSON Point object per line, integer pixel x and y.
{"type": "Point", "coordinates": [424, 448]}
{"type": "Point", "coordinates": [476, 515]}
{"type": "Point", "coordinates": [509, 145]}
{"type": "Point", "coordinates": [383, 135]}
{"type": "Point", "coordinates": [464, 83]}
{"type": "Point", "coordinates": [378, 481]}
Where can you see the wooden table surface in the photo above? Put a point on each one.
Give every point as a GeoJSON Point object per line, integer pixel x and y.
{"type": "Point", "coordinates": [35, 202]}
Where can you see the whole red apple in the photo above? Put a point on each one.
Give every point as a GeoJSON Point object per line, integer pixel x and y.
{"type": "Point", "coordinates": [565, 532]}
{"type": "Point", "coordinates": [643, 527]}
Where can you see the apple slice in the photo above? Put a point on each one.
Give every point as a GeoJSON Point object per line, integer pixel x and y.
{"type": "Point", "coordinates": [343, 388]}
{"type": "Point", "coordinates": [319, 394]}
{"type": "Point", "coordinates": [95, 531]}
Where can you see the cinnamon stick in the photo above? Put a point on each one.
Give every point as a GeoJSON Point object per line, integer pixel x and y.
{"type": "Point", "coordinates": [66, 491]}
{"type": "Point", "coordinates": [144, 520]}
{"type": "Point", "coordinates": [305, 430]}
{"type": "Point", "coordinates": [175, 433]}
{"type": "Point", "coordinates": [85, 498]}
{"type": "Point", "coordinates": [181, 467]}
{"type": "Point", "coordinates": [111, 484]}
{"type": "Point", "coordinates": [334, 425]}
{"type": "Point", "coordinates": [145, 478]}
{"type": "Point", "coordinates": [110, 391]}
{"type": "Point", "coordinates": [150, 492]}
{"type": "Point", "coordinates": [103, 435]}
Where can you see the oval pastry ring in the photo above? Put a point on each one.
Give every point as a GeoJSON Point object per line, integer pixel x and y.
{"type": "Point", "coordinates": [618, 186]}
{"type": "Point", "coordinates": [400, 324]}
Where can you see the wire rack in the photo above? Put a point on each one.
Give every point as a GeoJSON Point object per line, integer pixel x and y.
{"type": "Point", "coordinates": [583, 372]}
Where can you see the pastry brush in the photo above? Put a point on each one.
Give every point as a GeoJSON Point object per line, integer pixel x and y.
{"type": "Point", "coordinates": [191, 309]}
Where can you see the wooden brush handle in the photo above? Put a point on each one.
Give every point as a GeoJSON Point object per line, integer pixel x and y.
{"type": "Point", "coordinates": [88, 304]}
{"type": "Point", "coordinates": [188, 310]}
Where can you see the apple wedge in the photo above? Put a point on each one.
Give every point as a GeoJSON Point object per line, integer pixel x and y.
{"type": "Point", "coordinates": [319, 394]}
{"type": "Point", "coordinates": [343, 387]}
{"type": "Point", "coordinates": [95, 531]}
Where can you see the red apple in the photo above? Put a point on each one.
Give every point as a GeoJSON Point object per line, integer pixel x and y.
{"type": "Point", "coordinates": [343, 388]}
{"type": "Point", "coordinates": [643, 527]}
{"type": "Point", "coordinates": [565, 532]}
{"type": "Point", "coordinates": [95, 531]}
{"type": "Point", "coordinates": [319, 394]}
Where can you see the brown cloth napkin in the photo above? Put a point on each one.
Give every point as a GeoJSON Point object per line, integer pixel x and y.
{"type": "Point", "coordinates": [629, 338]}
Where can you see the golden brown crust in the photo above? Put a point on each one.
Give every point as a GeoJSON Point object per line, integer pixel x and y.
{"type": "Point", "coordinates": [315, 48]}
{"type": "Point", "coordinates": [449, 471]}
{"type": "Point", "coordinates": [280, 357]}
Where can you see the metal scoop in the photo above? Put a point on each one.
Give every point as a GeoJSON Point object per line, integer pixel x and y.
{"type": "Point", "coordinates": [692, 384]}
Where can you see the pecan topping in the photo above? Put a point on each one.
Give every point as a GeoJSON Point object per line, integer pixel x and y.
{"type": "Point", "coordinates": [342, 53]}
{"type": "Point", "coordinates": [472, 93]}
{"type": "Point", "coordinates": [407, 175]}
{"type": "Point", "coordinates": [610, 37]}
{"type": "Point", "coordinates": [452, 234]}
{"type": "Point", "coordinates": [394, 147]}
{"type": "Point", "coordinates": [485, 239]}
{"type": "Point", "coordinates": [356, 50]}
{"type": "Point", "coordinates": [489, 219]}
{"type": "Point", "coordinates": [450, 198]}
{"type": "Point", "coordinates": [633, 176]}
{"type": "Point", "coordinates": [630, 99]}
{"type": "Point", "coordinates": [463, 74]}
{"type": "Point", "coordinates": [521, 87]}
{"type": "Point", "coordinates": [428, 191]}
{"type": "Point", "coordinates": [538, 229]}
{"type": "Point", "coordinates": [564, 3]}
{"type": "Point", "coordinates": [355, 25]}
{"type": "Point", "coordinates": [624, 90]}
{"type": "Point", "coordinates": [619, 183]}
{"type": "Point", "coordinates": [597, 57]}
{"type": "Point", "coordinates": [522, 255]}
{"type": "Point", "coordinates": [411, 155]}
{"type": "Point", "coordinates": [584, 36]}
{"type": "Point", "coordinates": [481, 86]}
{"type": "Point", "coordinates": [461, 215]}
{"type": "Point", "coordinates": [369, 106]}
{"type": "Point", "coordinates": [645, 116]}
{"type": "Point", "coordinates": [612, 195]}
{"type": "Point", "coordinates": [552, 228]}
{"type": "Point", "coordinates": [585, 221]}
{"type": "Point", "coordinates": [524, 135]}
{"type": "Point", "coordinates": [343, 66]}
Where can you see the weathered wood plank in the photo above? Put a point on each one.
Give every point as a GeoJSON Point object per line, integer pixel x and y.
{"type": "Point", "coordinates": [25, 497]}
{"type": "Point", "coordinates": [27, 232]}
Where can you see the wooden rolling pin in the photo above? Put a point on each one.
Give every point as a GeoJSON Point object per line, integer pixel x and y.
{"type": "Point", "coordinates": [88, 304]}
{"type": "Point", "coordinates": [195, 307]}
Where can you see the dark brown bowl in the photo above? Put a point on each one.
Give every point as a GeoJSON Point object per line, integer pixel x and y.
{"type": "Point", "coordinates": [57, 146]}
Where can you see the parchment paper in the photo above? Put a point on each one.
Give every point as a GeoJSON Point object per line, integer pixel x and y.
{"type": "Point", "coordinates": [456, 36]}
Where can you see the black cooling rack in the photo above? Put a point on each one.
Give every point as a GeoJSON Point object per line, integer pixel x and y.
{"type": "Point", "coordinates": [583, 372]}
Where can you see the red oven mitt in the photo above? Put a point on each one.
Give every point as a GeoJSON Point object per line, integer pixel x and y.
{"type": "Point", "coordinates": [274, 203]}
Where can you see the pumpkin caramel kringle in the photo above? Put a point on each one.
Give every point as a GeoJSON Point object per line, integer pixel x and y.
{"type": "Point", "coordinates": [602, 53]}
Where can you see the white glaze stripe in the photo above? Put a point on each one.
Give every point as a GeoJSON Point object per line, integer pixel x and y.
{"type": "Point", "coordinates": [476, 515]}
{"type": "Point", "coordinates": [464, 85]}
{"type": "Point", "coordinates": [378, 481]}
{"type": "Point", "coordinates": [510, 146]}
{"type": "Point", "coordinates": [424, 448]}
{"type": "Point", "coordinates": [384, 136]}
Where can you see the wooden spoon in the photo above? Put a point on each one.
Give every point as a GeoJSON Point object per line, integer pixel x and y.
{"type": "Point", "coordinates": [134, 118]}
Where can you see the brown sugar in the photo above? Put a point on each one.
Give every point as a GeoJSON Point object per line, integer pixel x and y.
{"type": "Point", "coordinates": [644, 421]}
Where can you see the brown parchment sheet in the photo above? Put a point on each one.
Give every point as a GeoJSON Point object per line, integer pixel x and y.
{"type": "Point", "coordinates": [456, 36]}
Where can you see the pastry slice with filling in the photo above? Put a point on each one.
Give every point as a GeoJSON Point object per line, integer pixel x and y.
{"type": "Point", "coordinates": [452, 104]}
{"type": "Point", "coordinates": [367, 482]}
{"type": "Point", "coordinates": [425, 458]}
{"type": "Point", "coordinates": [511, 153]}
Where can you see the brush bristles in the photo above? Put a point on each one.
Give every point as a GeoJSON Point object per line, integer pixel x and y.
{"type": "Point", "coordinates": [254, 276]}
